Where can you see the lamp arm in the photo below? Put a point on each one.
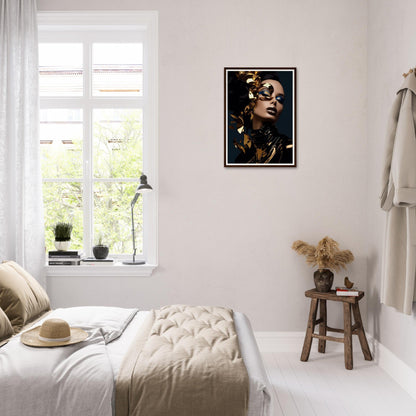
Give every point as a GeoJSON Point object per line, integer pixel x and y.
{"type": "Point", "coordinates": [134, 200]}
{"type": "Point", "coordinates": [132, 231]}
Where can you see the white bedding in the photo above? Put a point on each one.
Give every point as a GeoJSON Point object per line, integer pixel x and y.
{"type": "Point", "coordinates": [48, 380]}
{"type": "Point", "coordinates": [65, 381]}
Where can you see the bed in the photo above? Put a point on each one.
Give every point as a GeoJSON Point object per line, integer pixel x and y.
{"type": "Point", "coordinates": [83, 378]}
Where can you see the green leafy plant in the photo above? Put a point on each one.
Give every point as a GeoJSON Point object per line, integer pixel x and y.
{"type": "Point", "coordinates": [100, 241]}
{"type": "Point", "coordinates": [62, 231]}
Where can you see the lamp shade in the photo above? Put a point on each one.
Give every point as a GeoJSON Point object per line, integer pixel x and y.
{"type": "Point", "coordinates": [144, 186]}
{"type": "Point", "coordinates": [141, 189]}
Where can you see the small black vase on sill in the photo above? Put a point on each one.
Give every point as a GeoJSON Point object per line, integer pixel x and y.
{"type": "Point", "coordinates": [100, 251]}
{"type": "Point", "coordinates": [323, 279]}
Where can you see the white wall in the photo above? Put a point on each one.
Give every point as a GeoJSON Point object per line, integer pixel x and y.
{"type": "Point", "coordinates": [391, 52]}
{"type": "Point", "coordinates": [225, 234]}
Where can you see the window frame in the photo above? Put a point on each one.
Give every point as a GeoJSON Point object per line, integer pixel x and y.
{"type": "Point", "coordinates": [112, 27]}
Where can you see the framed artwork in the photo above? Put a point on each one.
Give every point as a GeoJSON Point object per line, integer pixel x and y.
{"type": "Point", "coordinates": [260, 117]}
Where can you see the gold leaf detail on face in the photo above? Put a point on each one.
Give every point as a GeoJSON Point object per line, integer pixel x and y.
{"type": "Point", "coordinates": [253, 83]}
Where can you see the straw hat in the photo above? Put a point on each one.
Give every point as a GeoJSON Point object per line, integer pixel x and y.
{"type": "Point", "coordinates": [53, 333]}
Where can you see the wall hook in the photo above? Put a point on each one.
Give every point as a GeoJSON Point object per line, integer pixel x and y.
{"type": "Point", "coordinates": [409, 72]}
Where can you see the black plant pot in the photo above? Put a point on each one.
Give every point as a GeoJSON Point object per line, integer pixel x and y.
{"type": "Point", "coordinates": [100, 252]}
{"type": "Point", "coordinates": [323, 279]}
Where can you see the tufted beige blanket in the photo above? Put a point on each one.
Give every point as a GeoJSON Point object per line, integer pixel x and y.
{"type": "Point", "coordinates": [185, 361]}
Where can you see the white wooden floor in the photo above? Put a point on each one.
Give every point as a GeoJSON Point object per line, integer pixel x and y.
{"type": "Point", "coordinates": [322, 387]}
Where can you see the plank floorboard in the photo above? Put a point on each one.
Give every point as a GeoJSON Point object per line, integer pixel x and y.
{"type": "Point", "coordinates": [314, 387]}
{"type": "Point", "coordinates": [270, 366]}
{"type": "Point", "coordinates": [298, 393]}
{"type": "Point", "coordinates": [283, 391]}
{"type": "Point", "coordinates": [323, 387]}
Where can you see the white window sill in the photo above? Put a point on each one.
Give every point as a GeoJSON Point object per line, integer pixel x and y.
{"type": "Point", "coordinates": [117, 269]}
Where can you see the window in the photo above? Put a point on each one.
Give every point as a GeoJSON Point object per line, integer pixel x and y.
{"type": "Point", "coordinates": [98, 127]}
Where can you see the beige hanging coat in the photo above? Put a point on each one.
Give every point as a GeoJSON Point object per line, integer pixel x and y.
{"type": "Point", "coordinates": [399, 200]}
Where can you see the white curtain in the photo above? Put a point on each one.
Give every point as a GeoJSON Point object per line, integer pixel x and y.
{"type": "Point", "coordinates": [21, 212]}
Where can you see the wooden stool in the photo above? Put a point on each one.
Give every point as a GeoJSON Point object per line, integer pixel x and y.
{"type": "Point", "coordinates": [349, 330]}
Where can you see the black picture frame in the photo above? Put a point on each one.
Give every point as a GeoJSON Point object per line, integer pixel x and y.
{"type": "Point", "coordinates": [274, 144]}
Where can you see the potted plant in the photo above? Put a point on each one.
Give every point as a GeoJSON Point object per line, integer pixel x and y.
{"type": "Point", "coordinates": [326, 255]}
{"type": "Point", "coordinates": [62, 232]}
{"type": "Point", "coordinates": [100, 250]}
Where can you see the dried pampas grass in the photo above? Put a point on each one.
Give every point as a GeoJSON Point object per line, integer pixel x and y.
{"type": "Point", "coordinates": [326, 255]}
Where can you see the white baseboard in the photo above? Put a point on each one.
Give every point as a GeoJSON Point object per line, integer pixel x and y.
{"type": "Point", "coordinates": [399, 371]}
{"type": "Point", "coordinates": [279, 341]}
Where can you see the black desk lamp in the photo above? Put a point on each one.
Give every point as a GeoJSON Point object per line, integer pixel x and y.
{"type": "Point", "coordinates": [142, 188]}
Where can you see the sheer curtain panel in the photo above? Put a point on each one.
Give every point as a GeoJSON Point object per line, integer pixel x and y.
{"type": "Point", "coordinates": [21, 211]}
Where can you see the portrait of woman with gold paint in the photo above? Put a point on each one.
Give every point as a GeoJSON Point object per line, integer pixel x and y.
{"type": "Point", "coordinates": [260, 117]}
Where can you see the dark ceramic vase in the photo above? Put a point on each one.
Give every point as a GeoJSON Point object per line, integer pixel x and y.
{"type": "Point", "coordinates": [323, 279]}
{"type": "Point", "coordinates": [100, 252]}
